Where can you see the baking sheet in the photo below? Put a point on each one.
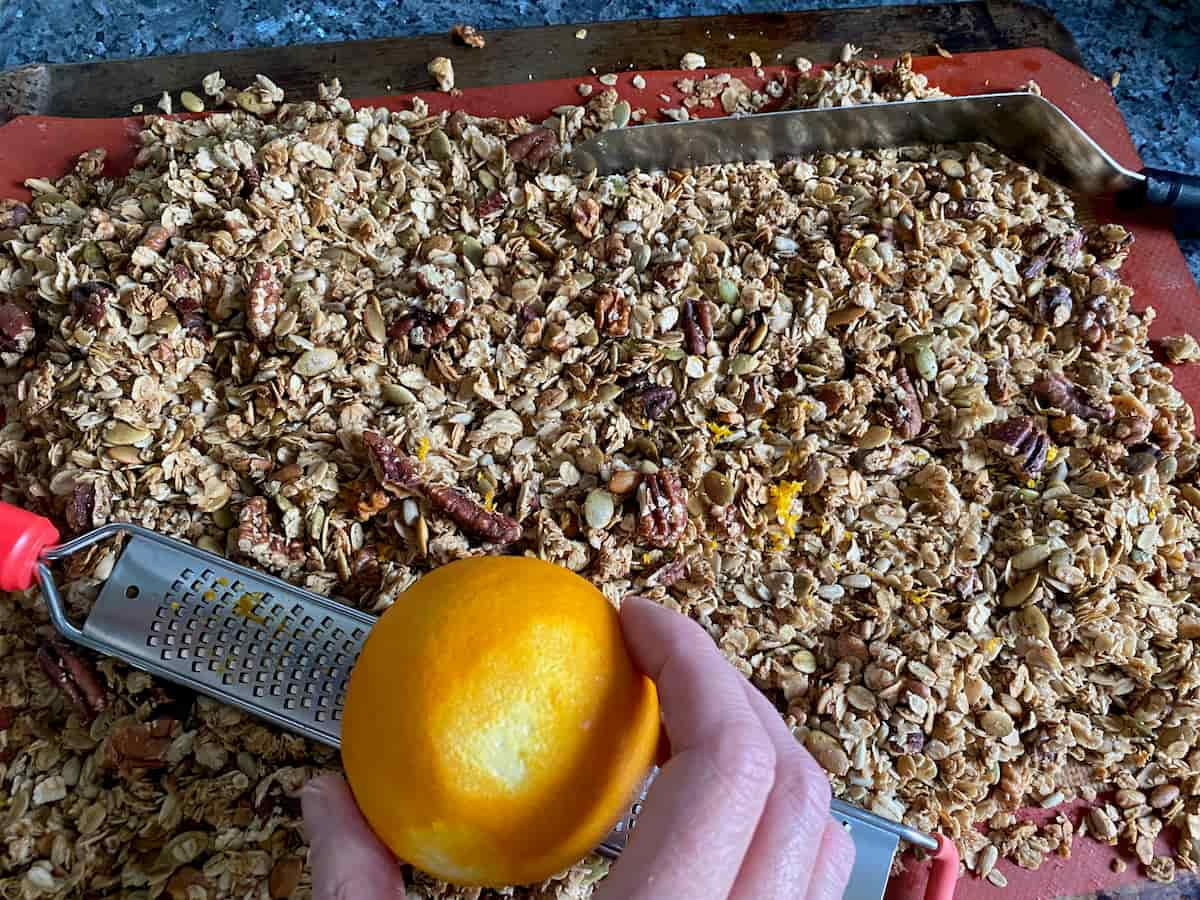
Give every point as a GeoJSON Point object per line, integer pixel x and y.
{"type": "Point", "coordinates": [1156, 269]}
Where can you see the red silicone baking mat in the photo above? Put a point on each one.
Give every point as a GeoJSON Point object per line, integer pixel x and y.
{"type": "Point", "coordinates": [46, 146]}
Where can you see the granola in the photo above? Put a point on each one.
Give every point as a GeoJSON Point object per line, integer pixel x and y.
{"type": "Point", "coordinates": [838, 410]}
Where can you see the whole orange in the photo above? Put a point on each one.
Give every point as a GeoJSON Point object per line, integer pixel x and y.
{"type": "Point", "coordinates": [495, 725]}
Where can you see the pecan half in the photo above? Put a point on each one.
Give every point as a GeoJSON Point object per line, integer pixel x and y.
{"type": "Point", "coordinates": [611, 312]}
{"type": "Point", "coordinates": [533, 146]}
{"type": "Point", "coordinates": [907, 415]}
{"type": "Point", "coordinates": [662, 509]}
{"type": "Point", "coordinates": [1058, 391]}
{"type": "Point", "coordinates": [251, 179]}
{"type": "Point", "coordinates": [748, 334]}
{"type": "Point", "coordinates": [673, 275]}
{"type": "Point", "coordinates": [697, 326]}
{"type": "Point", "coordinates": [471, 517]}
{"type": "Point", "coordinates": [1053, 306]}
{"type": "Point", "coordinates": [259, 542]}
{"type": "Point", "coordinates": [80, 506]}
{"type": "Point", "coordinates": [75, 677]}
{"type": "Point", "coordinates": [141, 745]}
{"type": "Point", "coordinates": [1096, 323]}
{"type": "Point", "coordinates": [13, 214]}
{"type": "Point", "coordinates": [424, 328]}
{"type": "Point", "coordinates": [395, 472]}
{"type": "Point", "coordinates": [263, 302]}
{"type": "Point", "coordinates": [651, 401]}
{"type": "Point", "coordinates": [615, 251]}
{"type": "Point", "coordinates": [16, 328]}
{"type": "Point", "coordinates": [156, 237]}
{"type": "Point", "coordinates": [1022, 442]}
{"type": "Point", "coordinates": [491, 204]}
{"type": "Point", "coordinates": [586, 215]}
{"type": "Point", "coordinates": [90, 300]}
{"type": "Point", "coordinates": [366, 575]}
{"type": "Point", "coordinates": [469, 35]}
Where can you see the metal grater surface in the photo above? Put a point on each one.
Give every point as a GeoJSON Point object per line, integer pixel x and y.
{"type": "Point", "coordinates": [245, 638]}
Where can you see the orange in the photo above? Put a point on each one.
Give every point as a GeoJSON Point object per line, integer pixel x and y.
{"type": "Point", "coordinates": [495, 725]}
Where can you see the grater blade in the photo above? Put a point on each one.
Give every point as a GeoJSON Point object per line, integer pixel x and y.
{"type": "Point", "coordinates": [285, 654]}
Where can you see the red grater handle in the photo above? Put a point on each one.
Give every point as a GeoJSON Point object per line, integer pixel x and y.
{"type": "Point", "coordinates": [944, 873]}
{"type": "Point", "coordinates": [23, 537]}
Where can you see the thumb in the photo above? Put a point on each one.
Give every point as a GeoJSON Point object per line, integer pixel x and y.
{"type": "Point", "coordinates": [348, 861]}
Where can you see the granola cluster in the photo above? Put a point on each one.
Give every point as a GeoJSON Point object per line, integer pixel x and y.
{"type": "Point", "coordinates": [884, 423]}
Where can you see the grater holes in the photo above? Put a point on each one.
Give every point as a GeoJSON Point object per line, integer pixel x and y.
{"type": "Point", "coordinates": [289, 705]}
{"type": "Point", "coordinates": [227, 679]}
{"type": "Point", "coordinates": [357, 633]}
{"type": "Point", "coordinates": [276, 691]}
{"type": "Point", "coordinates": [320, 716]}
{"type": "Point", "coordinates": [259, 691]}
{"type": "Point", "coordinates": [337, 715]}
{"type": "Point", "coordinates": [152, 641]}
{"type": "Point", "coordinates": [132, 592]}
{"type": "Point", "coordinates": [198, 666]}
{"type": "Point", "coordinates": [306, 703]}
{"type": "Point", "coordinates": [184, 652]}
{"type": "Point", "coordinates": [167, 655]}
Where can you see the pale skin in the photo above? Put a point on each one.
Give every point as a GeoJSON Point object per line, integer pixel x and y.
{"type": "Point", "coordinates": [739, 811]}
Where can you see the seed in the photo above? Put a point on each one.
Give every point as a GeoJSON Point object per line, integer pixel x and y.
{"type": "Point", "coordinates": [1031, 557]}
{"type": "Point", "coordinates": [874, 437]}
{"type": "Point", "coordinates": [210, 544]}
{"type": "Point", "coordinates": [128, 456]}
{"type": "Point", "coordinates": [623, 481]}
{"type": "Point", "coordinates": [727, 291]}
{"type": "Point", "coordinates": [831, 592]}
{"type": "Point", "coordinates": [826, 166]}
{"type": "Point", "coordinates": [191, 102]}
{"type": "Point", "coordinates": [316, 361]}
{"type": "Point", "coordinates": [641, 257]}
{"type": "Point", "coordinates": [1163, 796]}
{"type": "Point", "coordinates": [719, 489]}
{"type": "Point", "coordinates": [224, 517]}
{"type": "Point", "coordinates": [598, 508]}
{"type": "Point", "coordinates": [439, 145]}
{"type": "Point", "coordinates": [926, 364]}
{"type": "Point", "coordinates": [743, 364]}
{"type": "Point", "coordinates": [757, 338]}
{"type": "Point", "coordinates": [996, 722]}
{"type": "Point", "coordinates": [473, 250]}
{"type": "Point", "coordinates": [314, 522]}
{"type": "Point", "coordinates": [373, 321]}
{"type": "Point", "coordinates": [986, 861]}
{"type": "Point", "coordinates": [121, 434]}
{"type": "Point", "coordinates": [620, 113]}
{"type": "Point", "coordinates": [1021, 591]}
{"type": "Point", "coordinates": [1033, 621]}
{"type": "Point", "coordinates": [708, 245]}
{"type": "Point", "coordinates": [422, 533]}
{"type": "Point", "coordinates": [952, 167]}
{"type": "Point", "coordinates": [397, 394]}
{"type": "Point", "coordinates": [828, 752]}
{"type": "Point", "coordinates": [869, 258]}
{"type": "Point", "coordinates": [859, 697]}
{"type": "Point", "coordinates": [285, 876]}
{"type": "Point", "coordinates": [804, 661]}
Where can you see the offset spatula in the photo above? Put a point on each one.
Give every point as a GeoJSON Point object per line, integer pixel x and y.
{"type": "Point", "coordinates": [1026, 127]}
{"type": "Point", "coordinates": [285, 654]}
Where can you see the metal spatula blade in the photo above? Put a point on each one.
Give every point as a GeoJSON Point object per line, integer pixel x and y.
{"type": "Point", "coordinates": [285, 654]}
{"type": "Point", "coordinates": [1024, 126]}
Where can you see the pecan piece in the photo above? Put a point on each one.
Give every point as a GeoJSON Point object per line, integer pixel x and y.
{"type": "Point", "coordinates": [141, 746]}
{"type": "Point", "coordinates": [258, 542]}
{"type": "Point", "coordinates": [586, 215]}
{"type": "Point", "coordinates": [533, 146]}
{"type": "Point", "coordinates": [651, 401]}
{"type": "Point", "coordinates": [1035, 267]}
{"type": "Point", "coordinates": [697, 326]}
{"type": "Point", "coordinates": [669, 573]}
{"type": "Point", "coordinates": [1096, 323]}
{"type": "Point", "coordinates": [611, 312]}
{"type": "Point", "coordinates": [7, 717]}
{"type": "Point", "coordinates": [263, 303]}
{"type": "Point", "coordinates": [90, 301]}
{"type": "Point", "coordinates": [1022, 442]}
{"type": "Point", "coordinates": [469, 35]}
{"type": "Point", "coordinates": [1053, 306]}
{"type": "Point", "coordinates": [80, 506]}
{"type": "Point", "coordinates": [1059, 392]}
{"type": "Point", "coordinates": [13, 214]}
{"type": "Point", "coordinates": [492, 204]}
{"type": "Point", "coordinates": [156, 236]}
{"type": "Point", "coordinates": [662, 509]}
{"type": "Point", "coordinates": [673, 275]}
{"type": "Point", "coordinates": [16, 329]}
{"type": "Point", "coordinates": [366, 575]}
{"type": "Point", "coordinates": [251, 179]}
{"type": "Point", "coordinates": [424, 328]}
{"type": "Point", "coordinates": [908, 417]}
{"type": "Point", "coordinates": [395, 472]}
{"type": "Point", "coordinates": [365, 499]}
{"type": "Point", "coordinates": [1132, 428]}
{"type": "Point", "coordinates": [752, 333]}
{"type": "Point", "coordinates": [615, 251]}
{"type": "Point", "coordinates": [75, 677]}
{"type": "Point", "coordinates": [471, 517]}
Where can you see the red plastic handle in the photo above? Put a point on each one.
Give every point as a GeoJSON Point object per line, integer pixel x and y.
{"type": "Point", "coordinates": [944, 873]}
{"type": "Point", "coordinates": [23, 537]}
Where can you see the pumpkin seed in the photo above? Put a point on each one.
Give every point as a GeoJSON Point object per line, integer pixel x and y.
{"type": "Point", "coordinates": [440, 147]}
{"type": "Point", "coordinates": [316, 361]}
{"type": "Point", "coordinates": [224, 517]}
{"type": "Point", "coordinates": [874, 437]}
{"type": "Point", "coordinates": [373, 321]}
{"type": "Point", "coordinates": [1031, 557]}
{"type": "Point", "coordinates": [1033, 621]}
{"type": "Point", "coordinates": [743, 364]}
{"type": "Point", "coordinates": [397, 394]}
{"type": "Point", "coordinates": [487, 179]}
{"type": "Point", "coordinates": [757, 338]}
{"type": "Point", "coordinates": [804, 661]}
{"type": "Point", "coordinates": [620, 113]}
{"type": "Point", "coordinates": [315, 522]}
{"type": "Point", "coordinates": [719, 489]}
{"type": "Point", "coordinates": [598, 508]}
{"type": "Point", "coordinates": [128, 456]}
{"type": "Point", "coordinates": [124, 434]}
{"type": "Point", "coordinates": [727, 290]}
{"type": "Point", "coordinates": [997, 723]}
{"type": "Point", "coordinates": [191, 102]}
{"type": "Point", "coordinates": [926, 364]}
{"type": "Point", "coordinates": [673, 353]}
{"type": "Point", "coordinates": [641, 257]}
{"type": "Point", "coordinates": [952, 167]}
{"type": "Point", "coordinates": [473, 250]}
{"type": "Point", "coordinates": [623, 481]}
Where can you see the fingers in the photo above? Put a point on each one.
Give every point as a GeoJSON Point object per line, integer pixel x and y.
{"type": "Point", "coordinates": [702, 810]}
{"type": "Point", "coordinates": [835, 859]}
{"type": "Point", "coordinates": [782, 859]}
{"type": "Point", "coordinates": [348, 861]}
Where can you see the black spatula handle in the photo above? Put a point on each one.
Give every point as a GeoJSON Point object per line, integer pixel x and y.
{"type": "Point", "coordinates": [1170, 190]}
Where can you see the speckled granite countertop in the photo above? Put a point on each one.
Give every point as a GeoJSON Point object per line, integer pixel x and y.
{"type": "Point", "coordinates": [1155, 44]}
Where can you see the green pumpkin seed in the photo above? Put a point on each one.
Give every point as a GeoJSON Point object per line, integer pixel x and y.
{"type": "Point", "coordinates": [397, 394]}
{"type": "Point", "coordinates": [487, 179]}
{"type": "Point", "coordinates": [598, 508]}
{"type": "Point", "coordinates": [743, 364]}
{"type": "Point", "coordinates": [641, 257]}
{"type": "Point", "coordinates": [473, 250]}
{"type": "Point", "coordinates": [373, 321]}
{"type": "Point", "coordinates": [718, 488]}
{"type": "Point", "coordinates": [409, 238]}
{"type": "Point", "coordinates": [673, 353]}
{"type": "Point", "coordinates": [124, 434]}
{"type": "Point", "coordinates": [620, 113]}
{"type": "Point", "coordinates": [926, 364]}
{"type": "Point", "coordinates": [439, 145]}
{"type": "Point", "coordinates": [952, 167]}
{"type": "Point", "coordinates": [93, 255]}
{"type": "Point", "coordinates": [874, 437]}
{"type": "Point", "coordinates": [727, 291]}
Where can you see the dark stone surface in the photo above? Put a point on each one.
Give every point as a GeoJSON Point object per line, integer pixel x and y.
{"type": "Point", "coordinates": [1155, 44]}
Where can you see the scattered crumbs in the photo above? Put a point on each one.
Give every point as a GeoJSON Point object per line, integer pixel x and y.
{"type": "Point", "coordinates": [803, 65]}
{"type": "Point", "coordinates": [164, 103]}
{"type": "Point", "coordinates": [585, 90]}
{"type": "Point", "coordinates": [732, 36]}
{"type": "Point", "coordinates": [638, 82]}
{"type": "Point", "coordinates": [137, 109]}
{"type": "Point", "coordinates": [692, 61]}
{"type": "Point", "coordinates": [608, 79]}
{"type": "Point", "coordinates": [1114, 79]}
{"type": "Point", "coordinates": [849, 51]}
{"type": "Point", "coordinates": [442, 71]}
{"type": "Point", "coordinates": [755, 60]}
{"type": "Point", "coordinates": [581, 35]}
{"type": "Point", "coordinates": [943, 52]}
{"type": "Point", "coordinates": [665, 98]}
{"type": "Point", "coordinates": [592, 70]}
{"type": "Point", "coordinates": [676, 113]}
{"type": "Point", "coordinates": [469, 35]}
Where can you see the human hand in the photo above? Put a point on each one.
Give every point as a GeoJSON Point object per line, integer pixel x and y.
{"type": "Point", "coordinates": [739, 811]}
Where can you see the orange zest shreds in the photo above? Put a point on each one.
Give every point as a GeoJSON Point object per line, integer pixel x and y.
{"type": "Point", "coordinates": [783, 495]}
{"type": "Point", "coordinates": [489, 501]}
{"type": "Point", "coordinates": [1052, 454]}
{"type": "Point", "coordinates": [423, 449]}
{"type": "Point", "coordinates": [719, 432]}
